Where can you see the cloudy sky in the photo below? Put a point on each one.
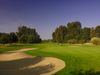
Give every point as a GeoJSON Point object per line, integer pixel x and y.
{"type": "Point", "coordinates": [46, 15]}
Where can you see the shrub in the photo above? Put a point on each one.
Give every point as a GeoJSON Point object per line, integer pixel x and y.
{"type": "Point", "coordinates": [29, 39]}
{"type": "Point", "coordinates": [4, 39]}
{"type": "Point", "coordinates": [95, 40]}
{"type": "Point", "coordinates": [72, 41]}
{"type": "Point", "coordinates": [81, 41]}
{"type": "Point", "coordinates": [13, 37]}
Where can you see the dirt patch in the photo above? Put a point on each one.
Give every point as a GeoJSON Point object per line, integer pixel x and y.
{"type": "Point", "coordinates": [19, 63]}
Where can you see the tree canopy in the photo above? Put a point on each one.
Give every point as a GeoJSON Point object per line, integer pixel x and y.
{"type": "Point", "coordinates": [23, 35]}
{"type": "Point", "coordinates": [74, 33]}
{"type": "Point", "coordinates": [28, 35]}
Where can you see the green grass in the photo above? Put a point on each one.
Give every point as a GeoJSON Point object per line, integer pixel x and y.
{"type": "Point", "coordinates": [76, 57]}
{"type": "Point", "coordinates": [10, 47]}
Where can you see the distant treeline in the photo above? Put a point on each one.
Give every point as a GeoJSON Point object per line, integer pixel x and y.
{"type": "Point", "coordinates": [74, 33]}
{"type": "Point", "coordinates": [23, 35]}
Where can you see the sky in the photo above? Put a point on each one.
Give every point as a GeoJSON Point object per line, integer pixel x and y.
{"type": "Point", "coordinates": [46, 15]}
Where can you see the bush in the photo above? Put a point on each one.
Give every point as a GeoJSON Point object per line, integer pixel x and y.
{"type": "Point", "coordinates": [81, 41]}
{"type": "Point", "coordinates": [95, 40]}
{"type": "Point", "coordinates": [4, 39]}
{"type": "Point", "coordinates": [13, 37]}
{"type": "Point", "coordinates": [29, 39]}
{"type": "Point", "coordinates": [72, 41]}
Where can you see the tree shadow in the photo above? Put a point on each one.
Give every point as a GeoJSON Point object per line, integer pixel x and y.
{"type": "Point", "coordinates": [19, 67]}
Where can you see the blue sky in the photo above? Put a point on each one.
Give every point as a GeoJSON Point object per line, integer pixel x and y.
{"type": "Point", "coordinates": [46, 15]}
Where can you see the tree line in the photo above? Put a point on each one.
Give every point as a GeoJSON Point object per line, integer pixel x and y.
{"type": "Point", "coordinates": [23, 35]}
{"type": "Point", "coordinates": [75, 33]}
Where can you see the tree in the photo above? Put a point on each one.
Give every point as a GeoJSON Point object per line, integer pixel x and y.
{"type": "Point", "coordinates": [74, 29]}
{"type": "Point", "coordinates": [59, 34]}
{"type": "Point", "coordinates": [33, 39]}
{"type": "Point", "coordinates": [23, 39]}
{"type": "Point", "coordinates": [13, 37]}
{"type": "Point", "coordinates": [74, 33]}
{"type": "Point", "coordinates": [97, 30]}
{"type": "Point", "coordinates": [28, 35]}
{"type": "Point", "coordinates": [85, 34]}
{"type": "Point", "coordinates": [54, 37]}
{"type": "Point", "coordinates": [22, 30]}
{"type": "Point", "coordinates": [93, 32]}
{"type": "Point", "coordinates": [5, 38]}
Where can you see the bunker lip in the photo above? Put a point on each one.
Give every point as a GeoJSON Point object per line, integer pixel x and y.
{"type": "Point", "coordinates": [39, 65]}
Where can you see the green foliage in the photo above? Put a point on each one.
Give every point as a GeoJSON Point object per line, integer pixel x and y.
{"type": "Point", "coordinates": [95, 40]}
{"type": "Point", "coordinates": [33, 39]}
{"type": "Point", "coordinates": [93, 32]}
{"type": "Point", "coordinates": [8, 38]}
{"type": "Point", "coordinates": [63, 34]}
{"type": "Point", "coordinates": [13, 37]}
{"type": "Point", "coordinates": [23, 39]}
{"type": "Point", "coordinates": [74, 30]}
{"type": "Point", "coordinates": [97, 30]}
{"type": "Point", "coordinates": [28, 35]}
{"type": "Point", "coordinates": [59, 34]}
{"type": "Point", "coordinates": [85, 34]}
{"type": "Point", "coordinates": [24, 35]}
{"type": "Point", "coordinates": [5, 38]}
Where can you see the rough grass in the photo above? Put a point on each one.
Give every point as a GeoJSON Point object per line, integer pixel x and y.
{"type": "Point", "coordinates": [76, 57]}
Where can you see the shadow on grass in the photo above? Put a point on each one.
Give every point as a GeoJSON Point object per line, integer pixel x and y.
{"type": "Point", "coordinates": [19, 67]}
{"type": "Point", "coordinates": [88, 72]}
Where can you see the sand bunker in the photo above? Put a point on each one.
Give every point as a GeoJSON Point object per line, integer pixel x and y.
{"type": "Point", "coordinates": [19, 63]}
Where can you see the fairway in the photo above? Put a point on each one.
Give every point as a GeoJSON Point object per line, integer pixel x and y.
{"type": "Point", "coordinates": [76, 57]}
{"type": "Point", "coordinates": [49, 37]}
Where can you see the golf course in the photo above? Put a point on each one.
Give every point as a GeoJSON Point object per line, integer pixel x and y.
{"type": "Point", "coordinates": [49, 37]}
{"type": "Point", "coordinates": [76, 56]}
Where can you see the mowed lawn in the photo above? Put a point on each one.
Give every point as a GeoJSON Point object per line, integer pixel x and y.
{"type": "Point", "coordinates": [76, 57]}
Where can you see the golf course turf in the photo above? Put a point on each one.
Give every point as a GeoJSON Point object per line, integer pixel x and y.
{"type": "Point", "coordinates": [76, 57]}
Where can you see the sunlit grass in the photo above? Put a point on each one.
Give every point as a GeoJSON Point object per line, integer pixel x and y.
{"type": "Point", "coordinates": [76, 57]}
